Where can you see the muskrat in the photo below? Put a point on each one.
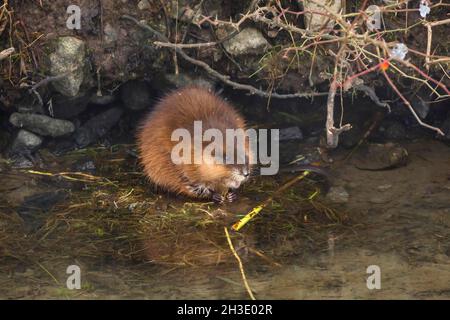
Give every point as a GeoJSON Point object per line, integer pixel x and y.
{"type": "Point", "coordinates": [205, 180]}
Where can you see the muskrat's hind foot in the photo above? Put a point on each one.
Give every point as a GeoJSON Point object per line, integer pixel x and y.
{"type": "Point", "coordinates": [232, 196]}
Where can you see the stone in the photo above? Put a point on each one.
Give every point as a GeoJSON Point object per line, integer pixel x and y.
{"type": "Point", "coordinates": [25, 141]}
{"type": "Point", "coordinates": [291, 133]}
{"type": "Point", "coordinates": [102, 100]}
{"type": "Point", "coordinates": [42, 125]}
{"type": "Point", "coordinates": [338, 194]}
{"type": "Point", "coordinates": [69, 58]}
{"type": "Point", "coordinates": [184, 79]}
{"type": "Point", "coordinates": [249, 41]}
{"type": "Point", "coordinates": [63, 107]}
{"type": "Point", "coordinates": [136, 95]}
{"type": "Point", "coordinates": [144, 5]}
{"type": "Point", "coordinates": [316, 22]}
{"type": "Point", "coordinates": [446, 129]}
{"type": "Point", "coordinates": [395, 130]}
{"type": "Point", "coordinates": [97, 126]}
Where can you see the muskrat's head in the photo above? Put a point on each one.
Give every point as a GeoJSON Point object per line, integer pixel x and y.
{"type": "Point", "coordinates": [238, 174]}
{"type": "Point", "coordinates": [239, 168]}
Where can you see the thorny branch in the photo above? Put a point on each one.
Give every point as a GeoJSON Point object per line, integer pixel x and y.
{"type": "Point", "coordinates": [218, 75]}
{"type": "Point", "coordinates": [349, 40]}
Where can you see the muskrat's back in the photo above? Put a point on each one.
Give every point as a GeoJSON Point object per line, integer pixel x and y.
{"type": "Point", "coordinates": [178, 110]}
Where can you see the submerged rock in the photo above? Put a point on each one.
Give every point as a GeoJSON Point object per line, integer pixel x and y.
{"type": "Point", "coordinates": [25, 142]}
{"type": "Point", "coordinates": [249, 41]}
{"type": "Point", "coordinates": [136, 95]}
{"type": "Point", "coordinates": [338, 194]}
{"type": "Point", "coordinates": [380, 157]}
{"type": "Point", "coordinates": [42, 125]}
{"type": "Point", "coordinates": [97, 126]}
{"type": "Point", "coordinates": [69, 58]}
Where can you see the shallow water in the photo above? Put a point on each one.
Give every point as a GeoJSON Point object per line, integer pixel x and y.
{"type": "Point", "coordinates": [132, 242]}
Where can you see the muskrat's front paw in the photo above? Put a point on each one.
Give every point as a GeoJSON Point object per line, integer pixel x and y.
{"type": "Point", "coordinates": [232, 196]}
{"type": "Point", "coordinates": [218, 198]}
{"type": "Point", "coordinates": [199, 190]}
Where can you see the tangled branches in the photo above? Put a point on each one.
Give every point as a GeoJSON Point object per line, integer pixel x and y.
{"type": "Point", "coordinates": [360, 50]}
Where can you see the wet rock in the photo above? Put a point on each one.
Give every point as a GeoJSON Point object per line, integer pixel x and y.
{"type": "Point", "coordinates": [64, 107]}
{"type": "Point", "coordinates": [86, 166]}
{"type": "Point", "coordinates": [19, 161]}
{"type": "Point", "coordinates": [69, 58]}
{"type": "Point", "coordinates": [42, 125]}
{"type": "Point", "coordinates": [338, 194]}
{"type": "Point", "coordinates": [249, 41]}
{"type": "Point", "coordinates": [184, 79]}
{"type": "Point", "coordinates": [316, 22]}
{"type": "Point", "coordinates": [420, 106]}
{"type": "Point", "coordinates": [29, 102]}
{"type": "Point", "coordinates": [291, 133]}
{"type": "Point", "coordinates": [350, 138]}
{"type": "Point", "coordinates": [394, 130]}
{"type": "Point", "coordinates": [97, 126]}
{"type": "Point", "coordinates": [39, 203]}
{"type": "Point", "coordinates": [136, 95]}
{"type": "Point", "coordinates": [25, 142]}
{"type": "Point", "coordinates": [445, 127]}
{"type": "Point", "coordinates": [102, 100]}
{"type": "Point", "coordinates": [380, 157]}
{"type": "Point", "coordinates": [144, 5]}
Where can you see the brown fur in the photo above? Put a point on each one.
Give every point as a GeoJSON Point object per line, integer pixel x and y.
{"type": "Point", "coordinates": [180, 109]}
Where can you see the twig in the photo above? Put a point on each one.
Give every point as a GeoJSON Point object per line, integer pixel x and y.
{"type": "Point", "coordinates": [406, 102]}
{"type": "Point", "coordinates": [241, 266]}
{"type": "Point", "coordinates": [6, 53]}
{"type": "Point", "coordinates": [221, 77]}
{"type": "Point", "coordinates": [370, 92]}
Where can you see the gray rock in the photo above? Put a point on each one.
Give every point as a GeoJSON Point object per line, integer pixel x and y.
{"type": "Point", "coordinates": [249, 41]}
{"type": "Point", "coordinates": [97, 126]}
{"type": "Point", "coordinates": [395, 131]}
{"type": "Point", "coordinates": [63, 107]}
{"type": "Point", "coordinates": [291, 133]}
{"type": "Point", "coordinates": [68, 58]}
{"type": "Point", "coordinates": [316, 22]}
{"type": "Point", "coordinates": [184, 79]}
{"type": "Point", "coordinates": [446, 129]}
{"type": "Point", "coordinates": [102, 100]}
{"type": "Point", "coordinates": [136, 95]}
{"type": "Point", "coordinates": [25, 142]}
{"type": "Point", "coordinates": [20, 161]}
{"type": "Point", "coordinates": [144, 5]}
{"type": "Point", "coordinates": [42, 125]}
{"type": "Point", "coordinates": [338, 194]}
